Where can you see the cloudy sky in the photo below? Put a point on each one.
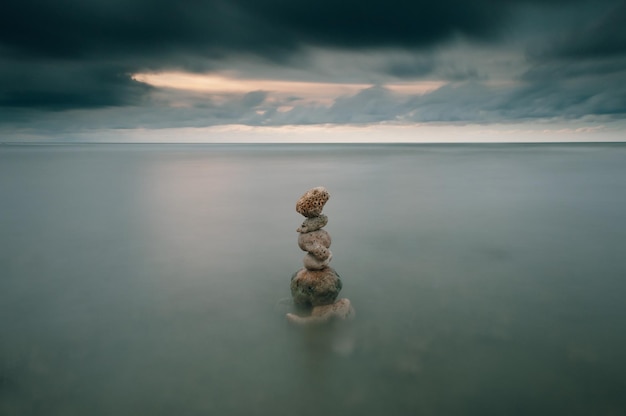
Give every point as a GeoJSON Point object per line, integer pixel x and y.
{"type": "Point", "coordinates": [328, 70]}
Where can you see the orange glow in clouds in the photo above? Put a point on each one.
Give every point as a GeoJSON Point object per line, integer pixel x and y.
{"type": "Point", "coordinates": [314, 91]}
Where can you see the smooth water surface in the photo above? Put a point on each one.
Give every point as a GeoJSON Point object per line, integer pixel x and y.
{"type": "Point", "coordinates": [148, 279]}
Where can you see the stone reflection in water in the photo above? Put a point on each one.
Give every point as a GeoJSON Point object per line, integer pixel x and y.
{"type": "Point", "coordinates": [315, 287]}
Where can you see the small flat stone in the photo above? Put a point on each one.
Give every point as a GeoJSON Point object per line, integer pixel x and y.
{"type": "Point", "coordinates": [312, 202]}
{"type": "Point", "coordinates": [315, 287]}
{"type": "Point", "coordinates": [313, 224]}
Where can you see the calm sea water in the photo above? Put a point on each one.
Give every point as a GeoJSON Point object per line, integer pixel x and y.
{"type": "Point", "coordinates": [148, 279]}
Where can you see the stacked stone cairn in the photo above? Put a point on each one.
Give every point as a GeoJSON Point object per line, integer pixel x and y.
{"type": "Point", "coordinates": [316, 286]}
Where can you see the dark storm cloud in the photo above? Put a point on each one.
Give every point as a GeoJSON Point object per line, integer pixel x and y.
{"type": "Point", "coordinates": [602, 35]}
{"type": "Point", "coordinates": [80, 54]}
{"type": "Point", "coordinates": [156, 34]}
{"type": "Point", "coordinates": [579, 71]}
{"type": "Point", "coordinates": [409, 67]}
{"type": "Point", "coordinates": [78, 29]}
{"type": "Point", "coordinates": [65, 85]}
{"type": "Point", "coordinates": [595, 46]}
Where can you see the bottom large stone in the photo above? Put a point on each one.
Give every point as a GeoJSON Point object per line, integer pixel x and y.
{"type": "Point", "coordinates": [315, 287]}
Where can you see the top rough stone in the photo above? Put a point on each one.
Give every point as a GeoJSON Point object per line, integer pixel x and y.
{"type": "Point", "coordinates": [312, 202]}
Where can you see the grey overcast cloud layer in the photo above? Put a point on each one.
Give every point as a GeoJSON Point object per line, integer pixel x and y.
{"type": "Point", "coordinates": [71, 64]}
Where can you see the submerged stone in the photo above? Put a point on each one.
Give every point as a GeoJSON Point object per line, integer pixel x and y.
{"type": "Point", "coordinates": [339, 310]}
